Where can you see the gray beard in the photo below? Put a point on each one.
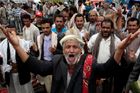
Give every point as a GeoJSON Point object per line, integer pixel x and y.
{"type": "Point", "coordinates": [77, 58]}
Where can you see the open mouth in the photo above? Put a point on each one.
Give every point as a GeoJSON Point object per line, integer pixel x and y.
{"type": "Point", "coordinates": [71, 58]}
{"type": "Point", "coordinates": [71, 55]}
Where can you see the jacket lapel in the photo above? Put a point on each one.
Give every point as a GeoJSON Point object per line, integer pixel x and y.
{"type": "Point", "coordinates": [64, 68]}
{"type": "Point", "coordinates": [76, 72]}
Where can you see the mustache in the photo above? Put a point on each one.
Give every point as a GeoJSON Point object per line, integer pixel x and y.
{"type": "Point", "coordinates": [72, 55]}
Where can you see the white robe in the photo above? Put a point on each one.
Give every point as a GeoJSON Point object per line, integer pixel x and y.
{"type": "Point", "coordinates": [15, 86]}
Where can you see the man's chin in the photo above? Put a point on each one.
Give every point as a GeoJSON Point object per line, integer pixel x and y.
{"type": "Point", "coordinates": [105, 36]}
{"type": "Point", "coordinates": [71, 61]}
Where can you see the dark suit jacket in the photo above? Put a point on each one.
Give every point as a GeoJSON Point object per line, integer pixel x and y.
{"type": "Point", "coordinates": [58, 68]}
{"type": "Point", "coordinates": [23, 71]}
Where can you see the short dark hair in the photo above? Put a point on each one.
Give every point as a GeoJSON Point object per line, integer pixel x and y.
{"type": "Point", "coordinates": [78, 15]}
{"type": "Point", "coordinates": [46, 20]}
{"type": "Point", "coordinates": [113, 4]}
{"type": "Point", "coordinates": [133, 19]}
{"type": "Point", "coordinates": [108, 21]}
{"type": "Point", "coordinates": [80, 1]}
{"type": "Point", "coordinates": [59, 15]}
{"type": "Point", "coordinates": [25, 7]}
{"type": "Point", "coordinates": [73, 8]}
{"type": "Point", "coordinates": [65, 9]}
{"type": "Point", "coordinates": [26, 16]}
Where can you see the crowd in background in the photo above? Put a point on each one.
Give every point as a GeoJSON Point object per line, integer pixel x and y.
{"type": "Point", "coordinates": [42, 25]}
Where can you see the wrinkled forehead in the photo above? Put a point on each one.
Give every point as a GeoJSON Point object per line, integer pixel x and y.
{"type": "Point", "coordinates": [71, 41]}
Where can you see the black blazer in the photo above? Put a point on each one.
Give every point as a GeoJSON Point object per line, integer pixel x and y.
{"type": "Point", "coordinates": [23, 71]}
{"type": "Point", "coordinates": [58, 68]}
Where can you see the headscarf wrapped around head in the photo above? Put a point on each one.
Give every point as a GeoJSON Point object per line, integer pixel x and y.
{"type": "Point", "coordinates": [69, 37]}
{"type": "Point", "coordinates": [74, 37]}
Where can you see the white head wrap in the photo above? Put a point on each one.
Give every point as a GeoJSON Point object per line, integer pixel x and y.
{"type": "Point", "coordinates": [68, 37]}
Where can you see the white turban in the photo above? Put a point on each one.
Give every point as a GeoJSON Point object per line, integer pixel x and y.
{"type": "Point", "coordinates": [69, 37]}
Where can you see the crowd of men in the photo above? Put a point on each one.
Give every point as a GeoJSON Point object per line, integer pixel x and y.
{"type": "Point", "coordinates": [83, 48]}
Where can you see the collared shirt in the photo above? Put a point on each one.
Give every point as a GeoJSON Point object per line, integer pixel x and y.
{"type": "Point", "coordinates": [64, 29]}
{"type": "Point", "coordinates": [3, 49]}
{"type": "Point", "coordinates": [104, 48]}
{"type": "Point", "coordinates": [47, 44]}
{"type": "Point", "coordinates": [59, 34]}
{"type": "Point", "coordinates": [81, 32]}
{"type": "Point", "coordinates": [30, 33]}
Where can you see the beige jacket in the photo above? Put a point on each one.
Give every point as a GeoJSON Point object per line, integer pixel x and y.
{"type": "Point", "coordinates": [40, 42]}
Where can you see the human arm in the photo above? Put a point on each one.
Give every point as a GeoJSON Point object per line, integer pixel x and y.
{"type": "Point", "coordinates": [123, 44]}
{"type": "Point", "coordinates": [34, 65]}
{"type": "Point", "coordinates": [91, 42]}
{"type": "Point", "coordinates": [14, 40]}
{"type": "Point", "coordinates": [40, 67]}
{"type": "Point", "coordinates": [134, 74]}
{"type": "Point", "coordinates": [120, 24]}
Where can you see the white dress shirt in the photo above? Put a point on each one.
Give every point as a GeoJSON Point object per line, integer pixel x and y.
{"type": "Point", "coordinates": [104, 47]}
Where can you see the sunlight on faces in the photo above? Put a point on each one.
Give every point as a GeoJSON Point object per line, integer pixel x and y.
{"type": "Point", "coordinates": [72, 50]}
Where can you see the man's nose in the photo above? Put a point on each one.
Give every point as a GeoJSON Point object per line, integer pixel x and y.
{"type": "Point", "coordinates": [71, 49]}
{"type": "Point", "coordinates": [105, 29]}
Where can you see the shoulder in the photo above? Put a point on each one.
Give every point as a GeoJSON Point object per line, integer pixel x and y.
{"type": "Point", "coordinates": [53, 29]}
{"type": "Point", "coordinates": [32, 25]}
{"type": "Point", "coordinates": [58, 56]}
{"type": "Point", "coordinates": [64, 29]}
{"type": "Point", "coordinates": [40, 36]}
{"type": "Point", "coordinates": [117, 38]}
{"type": "Point", "coordinates": [53, 35]}
{"type": "Point", "coordinates": [57, 59]}
{"type": "Point", "coordinates": [86, 24]}
{"type": "Point", "coordinates": [3, 42]}
{"type": "Point", "coordinates": [94, 36]}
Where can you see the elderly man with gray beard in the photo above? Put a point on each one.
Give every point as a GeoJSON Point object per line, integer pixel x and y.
{"type": "Point", "coordinates": [67, 69]}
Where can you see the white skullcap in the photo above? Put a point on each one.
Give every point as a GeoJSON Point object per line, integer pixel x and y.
{"type": "Point", "coordinates": [68, 37]}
